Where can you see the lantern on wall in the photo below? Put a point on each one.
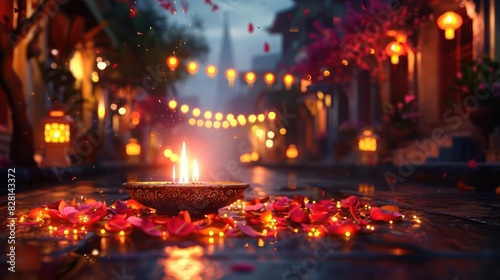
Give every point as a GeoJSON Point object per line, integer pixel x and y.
{"type": "Point", "coordinates": [56, 136]}
{"type": "Point", "coordinates": [394, 50]}
{"type": "Point", "coordinates": [133, 148]}
{"type": "Point", "coordinates": [288, 80]}
{"type": "Point", "coordinates": [367, 145]}
{"type": "Point", "coordinates": [56, 126]}
{"type": "Point", "coordinates": [250, 78]}
{"type": "Point", "coordinates": [449, 22]}
{"type": "Point", "coordinates": [172, 62]}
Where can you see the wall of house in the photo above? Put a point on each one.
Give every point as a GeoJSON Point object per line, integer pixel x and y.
{"type": "Point", "coordinates": [427, 58]}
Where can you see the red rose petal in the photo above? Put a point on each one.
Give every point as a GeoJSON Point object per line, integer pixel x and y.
{"type": "Point", "coordinates": [377, 214]}
{"type": "Point", "coordinates": [297, 215]}
{"type": "Point", "coordinates": [178, 227]}
{"type": "Point", "coordinates": [242, 267]}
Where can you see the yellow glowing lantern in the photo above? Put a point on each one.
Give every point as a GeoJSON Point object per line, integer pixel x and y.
{"type": "Point", "coordinates": [172, 104]}
{"type": "Point", "coordinates": [367, 141]}
{"type": "Point", "coordinates": [167, 153]}
{"type": "Point", "coordinates": [394, 50]}
{"type": "Point", "coordinates": [192, 122]}
{"type": "Point", "coordinates": [184, 109]}
{"type": "Point", "coordinates": [283, 131]}
{"type": "Point", "coordinates": [269, 79]}
{"type": "Point", "coordinates": [133, 148]}
{"type": "Point", "coordinates": [449, 22]}
{"type": "Point", "coordinates": [192, 67]}
{"type": "Point", "coordinates": [172, 62]}
{"type": "Point", "coordinates": [207, 115]}
{"type": "Point", "coordinates": [211, 71]}
{"type": "Point", "coordinates": [225, 124]}
{"type": "Point", "coordinates": [231, 76]}
{"type": "Point", "coordinates": [230, 117]}
{"type": "Point", "coordinates": [250, 78]}
{"type": "Point", "coordinates": [56, 128]}
{"type": "Point", "coordinates": [292, 152]}
{"type": "Point", "coordinates": [241, 119]}
{"type": "Point", "coordinates": [261, 117]}
{"type": "Point", "coordinates": [254, 156]}
{"type": "Point", "coordinates": [288, 80]}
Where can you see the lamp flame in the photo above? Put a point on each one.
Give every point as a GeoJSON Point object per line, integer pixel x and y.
{"type": "Point", "coordinates": [196, 175]}
{"type": "Point", "coordinates": [184, 173]}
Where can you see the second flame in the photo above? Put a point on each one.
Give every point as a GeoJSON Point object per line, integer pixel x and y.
{"type": "Point", "coordinates": [184, 172]}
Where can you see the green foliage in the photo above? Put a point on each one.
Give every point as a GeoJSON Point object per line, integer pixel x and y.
{"type": "Point", "coordinates": [147, 39]}
{"type": "Point", "coordinates": [478, 78]}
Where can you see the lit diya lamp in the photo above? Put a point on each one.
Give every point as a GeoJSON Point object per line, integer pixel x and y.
{"type": "Point", "coordinates": [197, 197]}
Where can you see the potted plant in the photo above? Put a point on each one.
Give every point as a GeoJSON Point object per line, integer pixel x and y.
{"type": "Point", "coordinates": [480, 79]}
{"type": "Point", "coordinates": [400, 120]}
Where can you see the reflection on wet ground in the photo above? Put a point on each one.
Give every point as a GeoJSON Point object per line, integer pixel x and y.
{"type": "Point", "coordinates": [456, 239]}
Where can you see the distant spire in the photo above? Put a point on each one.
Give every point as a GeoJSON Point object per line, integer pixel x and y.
{"type": "Point", "coordinates": [226, 60]}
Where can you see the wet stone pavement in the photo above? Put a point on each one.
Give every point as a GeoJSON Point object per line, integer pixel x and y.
{"type": "Point", "coordinates": [458, 237]}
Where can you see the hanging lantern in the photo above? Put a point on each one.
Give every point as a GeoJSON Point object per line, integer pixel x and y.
{"type": "Point", "coordinates": [367, 145]}
{"type": "Point", "coordinates": [449, 22]}
{"type": "Point", "coordinates": [133, 148]}
{"type": "Point", "coordinates": [250, 78]}
{"type": "Point", "coordinates": [288, 80]}
{"type": "Point", "coordinates": [269, 79]}
{"type": "Point", "coordinates": [394, 50]}
{"type": "Point", "coordinates": [231, 76]}
{"type": "Point", "coordinates": [192, 67]}
{"type": "Point", "coordinates": [172, 62]}
{"type": "Point", "coordinates": [211, 71]}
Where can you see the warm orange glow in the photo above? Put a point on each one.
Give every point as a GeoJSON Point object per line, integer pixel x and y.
{"type": "Point", "coordinates": [192, 122]}
{"type": "Point", "coordinates": [56, 113]}
{"type": "Point", "coordinates": [200, 123]}
{"type": "Point", "coordinates": [230, 117]}
{"type": "Point", "coordinates": [245, 158]}
{"type": "Point", "coordinates": [217, 124]}
{"type": "Point", "coordinates": [225, 124]}
{"type": "Point", "coordinates": [269, 78]}
{"type": "Point", "coordinates": [261, 117]}
{"type": "Point", "coordinates": [208, 124]}
{"type": "Point", "coordinates": [133, 148]}
{"type": "Point", "coordinates": [184, 173]}
{"type": "Point", "coordinates": [196, 175]}
{"type": "Point", "coordinates": [345, 62]}
{"type": "Point", "coordinates": [233, 122]}
{"type": "Point", "coordinates": [254, 156]}
{"type": "Point", "coordinates": [326, 73]}
{"type": "Point", "coordinates": [282, 131]}
{"type": "Point", "coordinates": [250, 78]}
{"type": "Point", "coordinates": [172, 104]}
{"type": "Point", "coordinates": [184, 108]}
{"type": "Point", "coordinates": [208, 115]}
{"type": "Point", "coordinates": [211, 71]}
{"type": "Point", "coordinates": [449, 22]}
{"type": "Point", "coordinates": [367, 142]}
{"type": "Point", "coordinates": [292, 152]}
{"type": "Point", "coordinates": [56, 133]}
{"type": "Point", "coordinates": [394, 50]}
{"type": "Point", "coordinates": [288, 80]}
{"type": "Point", "coordinates": [231, 74]}
{"type": "Point", "coordinates": [172, 62]}
{"type": "Point", "coordinates": [136, 117]}
{"type": "Point", "coordinates": [192, 67]}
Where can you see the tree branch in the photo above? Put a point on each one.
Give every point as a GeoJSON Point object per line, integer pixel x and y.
{"type": "Point", "coordinates": [47, 9]}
